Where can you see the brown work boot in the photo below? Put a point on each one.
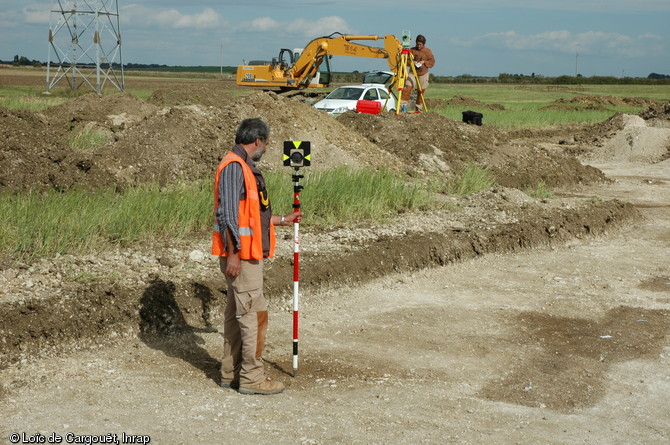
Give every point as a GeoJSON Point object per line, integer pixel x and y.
{"type": "Point", "coordinates": [266, 387]}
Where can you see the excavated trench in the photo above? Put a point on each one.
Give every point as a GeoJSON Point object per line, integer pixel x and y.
{"type": "Point", "coordinates": [106, 311]}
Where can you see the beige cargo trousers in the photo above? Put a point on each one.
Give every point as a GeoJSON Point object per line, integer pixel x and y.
{"type": "Point", "coordinates": [245, 320]}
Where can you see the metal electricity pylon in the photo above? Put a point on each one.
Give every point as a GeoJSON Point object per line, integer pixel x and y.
{"type": "Point", "coordinates": [85, 44]}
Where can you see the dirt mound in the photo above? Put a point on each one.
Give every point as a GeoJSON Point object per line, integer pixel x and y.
{"type": "Point", "coordinates": [423, 142]}
{"type": "Point", "coordinates": [429, 143]}
{"type": "Point", "coordinates": [658, 111]}
{"type": "Point", "coordinates": [113, 110]}
{"type": "Point", "coordinates": [592, 99]}
{"type": "Point", "coordinates": [167, 139]}
{"type": "Point", "coordinates": [634, 142]}
{"type": "Point", "coordinates": [163, 145]}
{"type": "Point", "coordinates": [468, 102]}
{"type": "Point", "coordinates": [35, 155]}
{"type": "Point", "coordinates": [192, 94]}
{"type": "Point", "coordinates": [565, 107]}
{"type": "Point", "coordinates": [600, 103]}
{"type": "Point", "coordinates": [186, 142]}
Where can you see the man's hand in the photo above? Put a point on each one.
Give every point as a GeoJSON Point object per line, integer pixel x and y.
{"type": "Point", "coordinates": [287, 220]}
{"type": "Point", "coordinates": [293, 217]}
{"type": "Point", "coordinates": [233, 265]}
{"type": "Point", "coordinates": [233, 261]}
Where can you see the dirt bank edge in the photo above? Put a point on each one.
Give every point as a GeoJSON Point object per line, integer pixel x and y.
{"type": "Point", "coordinates": [104, 311]}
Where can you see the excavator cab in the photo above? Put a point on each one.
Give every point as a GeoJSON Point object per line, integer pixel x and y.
{"type": "Point", "coordinates": [285, 59]}
{"type": "Point", "coordinates": [324, 76]}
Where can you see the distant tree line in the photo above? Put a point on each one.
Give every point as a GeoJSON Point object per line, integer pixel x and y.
{"type": "Point", "coordinates": [356, 77]}
{"type": "Point", "coordinates": [23, 61]}
{"type": "Point", "coordinates": [652, 79]}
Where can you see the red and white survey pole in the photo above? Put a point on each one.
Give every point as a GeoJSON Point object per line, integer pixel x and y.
{"type": "Point", "coordinates": [296, 268]}
{"type": "Point", "coordinates": [296, 155]}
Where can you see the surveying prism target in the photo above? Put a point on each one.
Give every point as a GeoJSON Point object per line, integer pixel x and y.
{"type": "Point", "coordinates": [297, 154]}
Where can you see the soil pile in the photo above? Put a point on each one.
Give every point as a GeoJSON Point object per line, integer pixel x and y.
{"type": "Point", "coordinates": [194, 94]}
{"type": "Point", "coordinates": [429, 143]}
{"type": "Point", "coordinates": [36, 155]}
{"type": "Point", "coordinates": [167, 139]}
{"type": "Point", "coordinates": [152, 144]}
{"type": "Point", "coordinates": [600, 103]}
{"type": "Point", "coordinates": [591, 99]}
{"type": "Point", "coordinates": [644, 138]}
{"type": "Point", "coordinates": [660, 112]}
{"type": "Point", "coordinates": [463, 101]}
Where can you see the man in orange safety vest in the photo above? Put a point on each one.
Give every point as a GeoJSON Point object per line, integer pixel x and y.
{"type": "Point", "coordinates": [243, 236]}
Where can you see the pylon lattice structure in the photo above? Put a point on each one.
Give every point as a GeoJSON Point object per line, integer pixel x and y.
{"type": "Point", "coordinates": [85, 45]}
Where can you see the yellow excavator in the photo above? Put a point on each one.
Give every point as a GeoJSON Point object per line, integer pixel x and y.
{"type": "Point", "coordinates": [310, 67]}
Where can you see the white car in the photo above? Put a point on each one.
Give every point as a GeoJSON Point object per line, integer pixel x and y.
{"type": "Point", "coordinates": [343, 99]}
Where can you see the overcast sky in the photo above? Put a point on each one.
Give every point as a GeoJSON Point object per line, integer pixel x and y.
{"type": "Point", "coordinates": [478, 37]}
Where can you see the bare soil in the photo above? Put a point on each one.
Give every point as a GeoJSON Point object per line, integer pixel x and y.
{"type": "Point", "coordinates": [506, 319]}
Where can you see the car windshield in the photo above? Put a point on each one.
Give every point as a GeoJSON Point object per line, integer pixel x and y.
{"type": "Point", "coordinates": [379, 77]}
{"type": "Point", "coordinates": [345, 93]}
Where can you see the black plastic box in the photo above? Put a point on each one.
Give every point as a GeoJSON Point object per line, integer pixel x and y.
{"type": "Point", "coordinates": [472, 117]}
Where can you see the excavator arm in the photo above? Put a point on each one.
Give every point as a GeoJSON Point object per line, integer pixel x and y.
{"type": "Point", "coordinates": [305, 69]}
{"type": "Point", "coordinates": [307, 65]}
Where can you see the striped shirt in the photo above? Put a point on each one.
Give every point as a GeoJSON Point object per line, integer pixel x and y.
{"type": "Point", "coordinates": [231, 192]}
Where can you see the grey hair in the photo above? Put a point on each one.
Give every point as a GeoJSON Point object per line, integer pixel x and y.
{"type": "Point", "coordinates": [250, 130]}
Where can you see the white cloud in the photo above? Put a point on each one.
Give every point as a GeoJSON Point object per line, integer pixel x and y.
{"type": "Point", "coordinates": [565, 5]}
{"type": "Point", "coordinates": [136, 15]}
{"type": "Point", "coordinates": [307, 28]}
{"type": "Point", "coordinates": [32, 14]}
{"type": "Point", "coordinates": [172, 18]}
{"type": "Point", "coordinates": [263, 24]}
{"type": "Point", "coordinates": [36, 13]}
{"type": "Point", "coordinates": [590, 42]}
{"type": "Point", "coordinates": [323, 26]}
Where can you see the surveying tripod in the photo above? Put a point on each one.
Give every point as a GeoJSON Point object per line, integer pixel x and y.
{"type": "Point", "coordinates": [406, 58]}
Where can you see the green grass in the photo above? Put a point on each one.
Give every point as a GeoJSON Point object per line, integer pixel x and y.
{"type": "Point", "coordinates": [342, 197]}
{"type": "Point", "coordinates": [525, 105]}
{"type": "Point", "coordinates": [34, 224]}
{"type": "Point", "coordinates": [539, 191]}
{"type": "Point", "coordinates": [472, 179]}
{"type": "Point", "coordinates": [87, 139]}
{"type": "Point", "coordinates": [28, 98]}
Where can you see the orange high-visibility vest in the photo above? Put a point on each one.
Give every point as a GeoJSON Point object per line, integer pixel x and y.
{"type": "Point", "coordinates": [249, 216]}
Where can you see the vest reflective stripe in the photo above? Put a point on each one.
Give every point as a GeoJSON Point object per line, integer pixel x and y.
{"type": "Point", "coordinates": [249, 216]}
{"type": "Point", "coordinates": [241, 230]}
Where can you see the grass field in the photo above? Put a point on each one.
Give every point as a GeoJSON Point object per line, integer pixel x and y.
{"type": "Point", "coordinates": [524, 104]}
{"type": "Point", "coordinates": [47, 223]}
